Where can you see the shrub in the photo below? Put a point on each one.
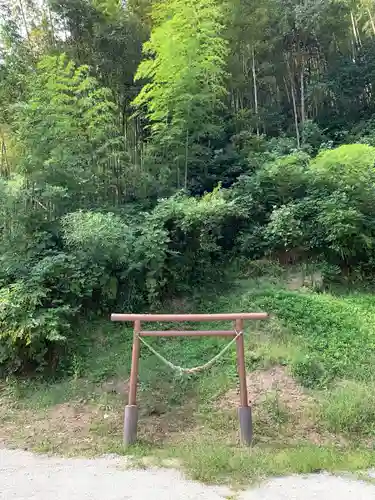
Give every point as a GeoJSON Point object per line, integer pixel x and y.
{"type": "Point", "coordinates": [251, 243]}
{"type": "Point", "coordinates": [312, 136]}
{"type": "Point", "coordinates": [28, 329]}
{"type": "Point", "coordinates": [309, 371]}
{"type": "Point", "coordinates": [346, 166]}
{"type": "Point", "coordinates": [104, 262]}
{"type": "Point", "coordinates": [287, 229]}
{"type": "Point", "coordinates": [346, 234]}
{"type": "Point", "coordinates": [200, 232]}
{"type": "Point", "coordinates": [276, 183]}
{"type": "Point", "coordinates": [322, 207]}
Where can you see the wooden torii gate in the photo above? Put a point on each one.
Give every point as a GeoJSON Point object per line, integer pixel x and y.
{"type": "Point", "coordinates": [244, 409]}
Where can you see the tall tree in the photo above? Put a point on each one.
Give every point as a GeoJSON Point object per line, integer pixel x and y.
{"type": "Point", "coordinates": [68, 137]}
{"type": "Point", "coordinates": [184, 75]}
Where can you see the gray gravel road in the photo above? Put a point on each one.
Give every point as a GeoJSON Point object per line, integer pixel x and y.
{"type": "Point", "coordinates": [27, 476]}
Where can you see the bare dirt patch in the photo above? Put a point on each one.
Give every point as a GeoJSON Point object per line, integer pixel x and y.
{"type": "Point", "coordinates": [71, 417]}
{"type": "Point", "coordinates": [261, 382]}
{"type": "Point", "coordinates": [94, 423]}
{"type": "Point", "coordinates": [283, 414]}
{"type": "Point", "coordinates": [61, 428]}
{"type": "Point", "coordinates": [169, 426]}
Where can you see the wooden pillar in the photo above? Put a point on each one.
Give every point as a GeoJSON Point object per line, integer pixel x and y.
{"type": "Point", "coordinates": [131, 410]}
{"type": "Point", "coordinates": [244, 410]}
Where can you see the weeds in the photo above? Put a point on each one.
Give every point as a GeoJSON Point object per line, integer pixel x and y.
{"type": "Point", "coordinates": [276, 409]}
{"type": "Point", "coordinates": [337, 333]}
{"type": "Point", "coordinates": [209, 462]}
{"type": "Point", "coordinates": [350, 408]}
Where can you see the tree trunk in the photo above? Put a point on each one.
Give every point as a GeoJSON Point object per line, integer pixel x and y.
{"type": "Point", "coordinates": [53, 38]}
{"type": "Point", "coordinates": [287, 90]}
{"type": "Point", "coordinates": [358, 33]}
{"type": "Point", "coordinates": [294, 102]}
{"type": "Point", "coordinates": [255, 90]}
{"type": "Point", "coordinates": [293, 92]}
{"type": "Point", "coordinates": [24, 21]}
{"type": "Point", "coordinates": [4, 165]}
{"type": "Point", "coordinates": [186, 157]}
{"type": "Point", "coordinates": [356, 42]}
{"type": "Point", "coordinates": [372, 22]}
{"type": "Point", "coordinates": [303, 111]}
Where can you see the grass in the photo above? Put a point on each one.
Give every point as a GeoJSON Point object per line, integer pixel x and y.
{"type": "Point", "coordinates": [350, 408]}
{"type": "Point", "coordinates": [208, 462]}
{"type": "Point", "coordinates": [310, 375]}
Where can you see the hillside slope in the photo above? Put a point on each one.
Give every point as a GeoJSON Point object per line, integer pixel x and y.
{"type": "Point", "coordinates": [309, 377]}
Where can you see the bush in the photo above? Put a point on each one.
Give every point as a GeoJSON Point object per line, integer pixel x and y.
{"type": "Point", "coordinates": [346, 234]}
{"type": "Point", "coordinates": [288, 230]}
{"type": "Point", "coordinates": [324, 209]}
{"type": "Point", "coordinates": [251, 243]}
{"type": "Point", "coordinates": [28, 329]}
{"type": "Point", "coordinates": [351, 165]}
{"type": "Point", "coordinates": [330, 227]}
{"type": "Point", "coordinates": [38, 311]}
{"type": "Point", "coordinates": [102, 262]}
{"type": "Point", "coordinates": [201, 232]}
{"type": "Point", "coordinates": [309, 371]}
{"type": "Point", "coordinates": [312, 136]}
{"type": "Point", "coordinates": [276, 183]}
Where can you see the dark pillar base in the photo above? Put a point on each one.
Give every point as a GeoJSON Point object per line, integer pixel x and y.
{"type": "Point", "coordinates": [130, 425]}
{"type": "Point", "coordinates": [246, 425]}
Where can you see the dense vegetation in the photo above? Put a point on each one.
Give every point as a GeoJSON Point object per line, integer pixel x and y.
{"type": "Point", "coordinates": [241, 130]}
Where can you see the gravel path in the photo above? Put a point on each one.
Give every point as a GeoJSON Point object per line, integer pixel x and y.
{"type": "Point", "coordinates": [27, 476]}
{"type": "Point", "coordinates": [313, 487]}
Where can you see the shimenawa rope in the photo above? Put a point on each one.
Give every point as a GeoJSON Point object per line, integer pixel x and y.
{"type": "Point", "coordinates": [197, 369]}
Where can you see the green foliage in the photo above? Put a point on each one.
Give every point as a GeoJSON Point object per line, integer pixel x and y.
{"type": "Point", "coordinates": [346, 166]}
{"type": "Point", "coordinates": [338, 332]}
{"type": "Point", "coordinates": [184, 86]}
{"type": "Point", "coordinates": [38, 312]}
{"type": "Point", "coordinates": [309, 371]}
{"type": "Point", "coordinates": [287, 229]}
{"type": "Point", "coordinates": [131, 259]}
{"type": "Point", "coordinates": [28, 329]}
{"type": "Point", "coordinates": [345, 230]}
{"type": "Point", "coordinates": [200, 232]}
{"type": "Point", "coordinates": [67, 134]}
{"type": "Point", "coordinates": [103, 236]}
{"type": "Point", "coordinates": [103, 262]}
{"type": "Point", "coordinates": [274, 184]}
{"type": "Point", "coordinates": [246, 95]}
{"type": "Point", "coordinates": [349, 408]}
{"type": "Point", "coordinates": [319, 207]}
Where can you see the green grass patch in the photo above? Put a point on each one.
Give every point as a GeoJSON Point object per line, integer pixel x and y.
{"type": "Point", "coordinates": [350, 408]}
{"type": "Point", "coordinates": [210, 462]}
{"type": "Point", "coordinates": [336, 333]}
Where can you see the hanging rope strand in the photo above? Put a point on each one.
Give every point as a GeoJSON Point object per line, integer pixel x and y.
{"type": "Point", "coordinates": [197, 369]}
